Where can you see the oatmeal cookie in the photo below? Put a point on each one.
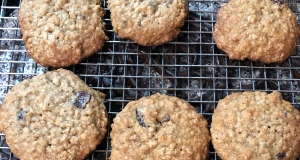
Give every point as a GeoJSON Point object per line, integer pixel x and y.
{"type": "Point", "coordinates": [148, 22]}
{"type": "Point", "coordinates": [159, 127]}
{"type": "Point", "coordinates": [61, 33]}
{"type": "Point", "coordinates": [256, 126]}
{"type": "Point", "coordinates": [53, 116]}
{"type": "Point", "coordinates": [259, 30]}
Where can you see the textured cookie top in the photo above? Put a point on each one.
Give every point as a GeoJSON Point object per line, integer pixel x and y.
{"type": "Point", "coordinates": [61, 33]}
{"type": "Point", "coordinates": [260, 30]}
{"type": "Point", "coordinates": [148, 22]}
{"type": "Point", "coordinates": [53, 116]}
{"type": "Point", "coordinates": [159, 127]}
{"type": "Point", "coordinates": [256, 126]}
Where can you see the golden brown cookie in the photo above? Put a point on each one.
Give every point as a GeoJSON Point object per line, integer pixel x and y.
{"type": "Point", "coordinates": [60, 33]}
{"type": "Point", "coordinates": [148, 22]}
{"type": "Point", "coordinates": [259, 30]}
{"type": "Point", "coordinates": [256, 126]}
{"type": "Point", "coordinates": [159, 127]}
{"type": "Point", "coordinates": [53, 116]}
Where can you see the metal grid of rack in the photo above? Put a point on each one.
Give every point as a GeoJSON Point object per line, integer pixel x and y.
{"type": "Point", "coordinates": [190, 67]}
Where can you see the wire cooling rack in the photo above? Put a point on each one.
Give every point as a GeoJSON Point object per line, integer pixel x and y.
{"type": "Point", "coordinates": [190, 67]}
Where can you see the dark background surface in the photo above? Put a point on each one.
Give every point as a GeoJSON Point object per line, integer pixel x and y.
{"type": "Point", "coordinates": [10, 3]}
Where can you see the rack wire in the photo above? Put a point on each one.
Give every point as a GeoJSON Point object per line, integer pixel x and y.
{"type": "Point", "coordinates": [190, 67]}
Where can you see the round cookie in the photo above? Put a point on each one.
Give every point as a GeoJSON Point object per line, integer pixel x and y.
{"type": "Point", "coordinates": [53, 116]}
{"type": "Point", "coordinates": [148, 22]}
{"type": "Point", "coordinates": [259, 30]}
{"type": "Point", "coordinates": [60, 33]}
{"type": "Point", "coordinates": [256, 125]}
{"type": "Point", "coordinates": [159, 127]}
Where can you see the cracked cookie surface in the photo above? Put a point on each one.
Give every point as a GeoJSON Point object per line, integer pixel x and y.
{"type": "Point", "coordinates": [148, 22]}
{"type": "Point", "coordinates": [60, 33]}
{"type": "Point", "coordinates": [53, 116]}
{"type": "Point", "coordinates": [159, 127]}
{"type": "Point", "coordinates": [255, 126]}
{"type": "Point", "coordinates": [259, 30]}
